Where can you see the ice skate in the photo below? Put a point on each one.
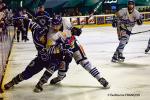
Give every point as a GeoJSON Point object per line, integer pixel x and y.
{"type": "Point", "coordinates": [114, 59]}
{"type": "Point", "coordinates": [55, 80]}
{"type": "Point", "coordinates": [104, 83]}
{"type": "Point", "coordinates": [9, 85]}
{"type": "Point", "coordinates": [38, 88]}
{"type": "Point", "coordinates": [121, 58]}
{"type": "Point", "coordinates": [147, 50]}
{"type": "Point", "coordinates": [118, 57]}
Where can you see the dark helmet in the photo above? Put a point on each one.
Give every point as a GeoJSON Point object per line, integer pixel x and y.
{"type": "Point", "coordinates": [131, 2]}
{"type": "Point", "coordinates": [56, 20]}
{"type": "Point", "coordinates": [131, 8]}
{"type": "Point", "coordinates": [41, 8]}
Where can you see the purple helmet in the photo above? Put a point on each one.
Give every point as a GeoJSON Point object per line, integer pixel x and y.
{"type": "Point", "coordinates": [56, 20]}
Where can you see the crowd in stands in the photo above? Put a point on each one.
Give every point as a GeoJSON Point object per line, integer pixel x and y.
{"type": "Point", "coordinates": [145, 9]}
{"type": "Point", "coordinates": [71, 12]}
{"type": "Point", "coordinates": [66, 12]}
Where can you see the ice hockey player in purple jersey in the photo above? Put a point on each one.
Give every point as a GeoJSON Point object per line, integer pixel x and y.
{"type": "Point", "coordinates": [46, 58]}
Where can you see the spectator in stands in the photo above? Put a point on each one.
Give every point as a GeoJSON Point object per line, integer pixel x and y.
{"type": "Point", "coordinates": [140, 10]}
{"type": "Point", "coordinates": [24, 14]}
{"type": "Point", "coordinates": [149, 9]}
{"type": "Point", "coordinates": [146, 9]}
{"type": "Point", "coordinates": [4, 18]}
{"type": "Point", "coordinates": [19, 25]}
{"type": "Point", "coordinates": [143, 10]}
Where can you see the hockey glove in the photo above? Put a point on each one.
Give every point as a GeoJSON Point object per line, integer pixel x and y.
{"type": "Point", "coordinates": [114, 23]}
{"type": "Point", "coordinates": [76, 31]}
{"type": "Point", "coordinates": [139, 21]}
{"type": "Point", "coordinates": [67, 55]}
{"type": "Point", "coordinates": [65, 52]}
{"type": "Point", "coordinates": [44, 55]}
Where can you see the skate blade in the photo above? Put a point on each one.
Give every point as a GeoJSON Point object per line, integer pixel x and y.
{"type": "Point", "coordinates": [114, 61]}
{"type": "Point", "coordinates": [37, 90]}
{"type": "Point", "coordinates": [146, 52]}
{"type": "Point", "coordinates": [120, 60]}
{"type": "Point", "coordinates": [117, 61]}
{"type": "Point", "coordinates": [107, 87]}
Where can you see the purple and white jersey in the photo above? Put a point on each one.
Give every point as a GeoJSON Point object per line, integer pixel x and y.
{"type": "Point", "coordinates": [127, 21]}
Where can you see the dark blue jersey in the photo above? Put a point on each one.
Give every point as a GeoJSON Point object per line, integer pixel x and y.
{"type": "Point", "coordinates": [39, 35]}
{"type": "Point", "coordinates": [57, 51]}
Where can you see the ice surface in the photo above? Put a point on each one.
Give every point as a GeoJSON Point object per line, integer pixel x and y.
{"type": "Point", "coordinates": [130, 77]}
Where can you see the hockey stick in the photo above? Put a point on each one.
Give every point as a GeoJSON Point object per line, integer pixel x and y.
{"type": "Point", "coordinates": [99, 4]}
{"type": "Point", "coordinates": [31, 15]}
{"type": "Point", "coordinates": [140, 32]}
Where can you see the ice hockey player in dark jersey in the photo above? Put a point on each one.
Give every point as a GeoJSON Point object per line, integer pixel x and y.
{"type": "Point", "coordinates": [48, 58]}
